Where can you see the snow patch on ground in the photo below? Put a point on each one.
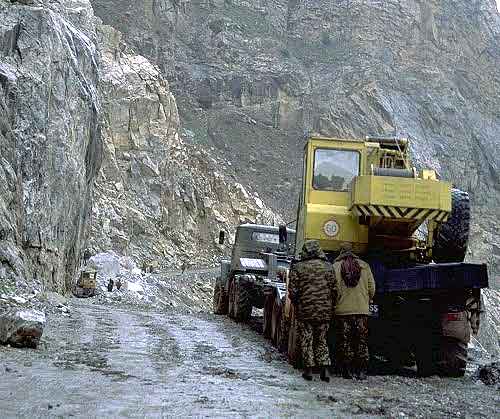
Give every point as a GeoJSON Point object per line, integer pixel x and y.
{"type": "Point", "coordinates": [190, 291]}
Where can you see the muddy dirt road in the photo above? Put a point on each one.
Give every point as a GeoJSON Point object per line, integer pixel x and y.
{"type": "Point", "coordinates": [107, 362]}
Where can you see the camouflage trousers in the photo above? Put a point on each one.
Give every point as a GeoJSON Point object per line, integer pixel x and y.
{"type": "Point", "coordinates": [313, 343]}
{"type": "Point", "coordinates": [351, 342]}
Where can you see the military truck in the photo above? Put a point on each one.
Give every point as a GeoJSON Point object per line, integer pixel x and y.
{"type": "Point", "coordinates": [261, 256]}
{"type": "Point", "coordinates": [412, 228]}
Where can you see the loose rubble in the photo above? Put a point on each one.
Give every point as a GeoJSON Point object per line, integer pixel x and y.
{"type": "Point", "coordinates": [21, 328]}
{"type": "Point", "coordinates": [490, 374]}
{"type": "Point", "coordinates": [109, 361]}
{"type": "Point", "coordinates": [157, 197]}
{"type": "Point", "coordinates": [189, 291]}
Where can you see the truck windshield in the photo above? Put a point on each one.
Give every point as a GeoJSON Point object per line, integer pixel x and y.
{"type": "Point", "coordinates": [334, 169]}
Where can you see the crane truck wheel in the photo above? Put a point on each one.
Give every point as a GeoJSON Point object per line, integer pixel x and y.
{"type": "Point", "coordinates": [230, 308]}
{"type": "Point", "coordinates": [275, 322]}
{"type": "Point", "coordinates": [450, 243]}
{"type": "Point", "coordinates": [242, 302]}
{"type": "Point", "coordinates": [215, 301]}
{"type": "Point", "coordinates": [220, 302]}
{"type": "Point", "coordinates": [282, 335]}
{"type": "Point", "coordinates": [268, 307]}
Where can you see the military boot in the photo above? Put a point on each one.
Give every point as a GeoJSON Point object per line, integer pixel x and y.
{"type": "Point", "coordinates": [307, 374]}
{"type": "Point", "coordinates": [360, 373]}
{"type": "Point", "coordinates": [324, 375]}
{"type": "Point", "coordinates": [346, 373]}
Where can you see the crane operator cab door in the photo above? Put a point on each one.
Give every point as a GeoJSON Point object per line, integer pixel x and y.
{"type": "Point", "coordinates": [330, 165]}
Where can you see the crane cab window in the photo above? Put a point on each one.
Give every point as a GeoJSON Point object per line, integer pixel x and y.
{"type": "Point", "coordinates": [334, 169]}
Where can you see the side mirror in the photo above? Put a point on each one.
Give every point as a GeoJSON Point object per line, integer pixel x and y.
{"type": "Point", "coordinates": [222, 236]}
{"type": "Point", "coordinates": [283, 234]}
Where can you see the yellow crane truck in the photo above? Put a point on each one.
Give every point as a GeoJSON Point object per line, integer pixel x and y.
{"type": "Point", "coordinates": [411, 227]}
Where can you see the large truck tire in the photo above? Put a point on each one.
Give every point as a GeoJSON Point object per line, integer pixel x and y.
{"type": "Point", "coordinates": [284, 328]}
{"type": "Point", "coordinates": [452, 357]}
{"type": "Point", "coordinates": [268, 309]}
{"type": "Point", "coordinates": [220, 300]}
{"type": "Point", "coordinates": [215, 300]}
{"type": "Point", "coordinates": [450, 243]}
{"type": "Point", "coordinates": [230, 304]}
{"type": "Point", "coordinates": [242, 302]}
{"type": "Point", "coordinates": [276, 323]}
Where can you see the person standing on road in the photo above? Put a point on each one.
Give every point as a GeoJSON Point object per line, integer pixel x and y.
{"type": "Point", "coordinates": [111, 283]}
{"type": "Point", "coordinates": [355, 289]}
{"type": "Point", "coordinates": [312, 291]}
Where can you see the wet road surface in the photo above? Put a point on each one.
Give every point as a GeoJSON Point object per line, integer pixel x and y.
{"type": "Point", "coordinates": [107, 362]}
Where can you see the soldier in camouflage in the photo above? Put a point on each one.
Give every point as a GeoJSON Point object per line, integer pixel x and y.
{"type": "Point", "coordinates": [312, 291]}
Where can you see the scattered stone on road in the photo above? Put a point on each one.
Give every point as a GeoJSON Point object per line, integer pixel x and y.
{"type": "Point", "coordinates": [106, 361]}
{"type": "Point", "coordinates": [21, 328]}
{"type": "Point", "coordinates": [490, 374]}
{"type": "Point", "coordinates": [53, 298]}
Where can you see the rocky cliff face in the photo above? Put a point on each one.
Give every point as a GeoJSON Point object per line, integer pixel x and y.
{"type": "Point", "coordinates": [156, 196]}
{"type": "Point", "coordinates": [63, 76]}
{"type": "Point", "coordinates": [251, 77]}
{"type": "Point", "coordinates": [50, 142]}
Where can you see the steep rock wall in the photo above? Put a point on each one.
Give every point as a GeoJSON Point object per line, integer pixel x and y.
{"type": "Point", "coordinates": [50, 142]}
{"type": "Point", "coordinates": [158, 198]}
{"type": "Point", "coordinates": [251, 77]}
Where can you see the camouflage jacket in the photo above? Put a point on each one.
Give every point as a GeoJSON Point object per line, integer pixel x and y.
{"type": "Point", "coordinates": [311, 286]}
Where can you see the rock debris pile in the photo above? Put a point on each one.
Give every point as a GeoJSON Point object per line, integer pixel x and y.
{"type": "Point", "coordinates": [158, 198]}
{"type": "Point", "coordinates": [190, 292]}
{"type": "Point", "coordinates": [251, 77]}
{"type": "Point", "coordinates": [490, 374]}
{"type": "Point", "coordinates": [21, 328]}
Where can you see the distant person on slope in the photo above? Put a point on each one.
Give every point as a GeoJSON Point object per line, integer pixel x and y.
{"type": "Point", "coordinates": [312, 291]}
{"type": "Point", "coordinates": [355, 288]}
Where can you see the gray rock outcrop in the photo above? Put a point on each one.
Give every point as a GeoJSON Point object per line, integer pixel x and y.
{"type": "Point", "coordinates": [490, 374]}
{"type": "Point", "coordinates": [251, 77]}
{"type": "Point", "coordinates": [21, 328]}
{"type": "Point", "coordinates": [158, 197]}
{"type": "Point", "coordinates": [50, 141]}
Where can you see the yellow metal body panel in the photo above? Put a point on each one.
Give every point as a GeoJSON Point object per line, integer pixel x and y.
{"type": "Point", "coordinates": [87, 279]}
{"type": "Point", "coordinates": [380, 205]}
{"type": "Point", "coordinates": [401, 192]}
{"type": "Point", "coordinates": [349, 230]}
{"type": "Point", "coordinates": [89, 283]}
{"type": "Point", "coordinates": [318, 207]}
{"type": "Point", "coordinates": [429, 174]}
